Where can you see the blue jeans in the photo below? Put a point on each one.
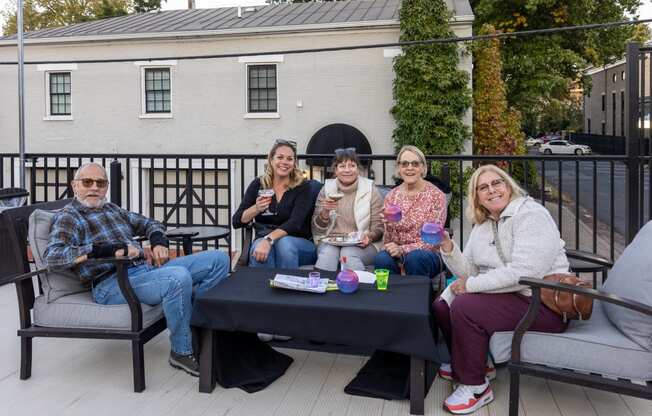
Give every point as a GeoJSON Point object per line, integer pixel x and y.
{"type": "Point", "coordinates": [416, 262]}
{"type": "Point", "coordinates": [287, 253]}
{"type": "Point", "coordinates": [170, 285]}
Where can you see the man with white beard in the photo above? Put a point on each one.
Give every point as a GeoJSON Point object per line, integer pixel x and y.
{"type": "Point", "coordinates": [91, 227]}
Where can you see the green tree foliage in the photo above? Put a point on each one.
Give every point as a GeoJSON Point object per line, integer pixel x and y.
{"type": "Point", "coordinates": [43, 14]}
{"type": "Point", "coordinates": [539, 69]}
{"type": "Point", "coordinates": [142, 6]}
{"type": "Point", "coordinates": [431, 94]}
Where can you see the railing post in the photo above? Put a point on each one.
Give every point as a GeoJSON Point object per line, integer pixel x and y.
{"type": "Point", "coordinates": [115, 179]}
{"type": "Point", "coordinates": [632, 147]}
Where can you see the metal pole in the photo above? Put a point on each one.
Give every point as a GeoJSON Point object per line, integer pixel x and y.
{"type": "Point", "coordinates": [21, 95]}
{"type": "Point", "coordinates": [632, 149]}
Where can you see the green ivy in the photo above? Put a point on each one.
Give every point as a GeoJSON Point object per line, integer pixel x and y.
{"type": "Point", "coordinates": [431, 94]}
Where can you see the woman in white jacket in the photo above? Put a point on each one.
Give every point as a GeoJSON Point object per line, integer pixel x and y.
{"type": "Point", "coordinates": [513, 236]}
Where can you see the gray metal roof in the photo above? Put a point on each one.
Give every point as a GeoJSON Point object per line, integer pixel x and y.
{"type": "Point", "coordinates": [225, 19]}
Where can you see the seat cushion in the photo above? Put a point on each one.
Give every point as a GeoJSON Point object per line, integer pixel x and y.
{"type": "Point", "coordinates": [80, 311]}
{"type": "Point", "coordinates": [631, 278]}
{"type": "Point", "coordinates": [55, 283]}
{"type": "Point", "coordinates": [593, 346]}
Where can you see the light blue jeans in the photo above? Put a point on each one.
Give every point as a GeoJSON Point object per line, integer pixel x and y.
{"type": "Point", "coordinates": [287, 253]}
{"type": "Point", "coordinates": [170, 285]}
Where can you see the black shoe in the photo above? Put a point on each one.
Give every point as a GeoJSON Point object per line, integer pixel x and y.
{"type": "Point", "coordinates": [187, 363]}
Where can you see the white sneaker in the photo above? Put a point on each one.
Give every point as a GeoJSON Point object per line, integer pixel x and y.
{"type": "Point", "coordinates": [265, 337]}
{"type": "Point", "coordinates": [446, 371]}
{"type": "Point", "coordinates": [467, 399]}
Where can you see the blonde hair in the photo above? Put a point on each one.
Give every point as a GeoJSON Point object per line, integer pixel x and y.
{"type": "Point", "coordinates": [478, 214]}
{"type": "Point", "coordinates": [416, 151]}
{"type": "Point", "coordinates": [296, 176]}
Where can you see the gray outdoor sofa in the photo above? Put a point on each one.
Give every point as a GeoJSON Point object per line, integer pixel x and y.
{"type": "Point", "coordinates": [611, 351]}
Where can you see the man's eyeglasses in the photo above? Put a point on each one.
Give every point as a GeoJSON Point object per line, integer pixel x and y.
{"type": "Point", "coordinates": [495, 184]}
{"type": "Point", "coordinates": [407, 163]}
{"type": "Point", "coordinates": [88, 182]}
{"type": "Point", "coordinates": [290, 143]}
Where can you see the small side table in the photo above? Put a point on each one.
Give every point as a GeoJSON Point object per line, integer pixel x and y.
{"type": "Point", "coordinates": [585, 262]}
{"type": "Point", "coordinates": [203, 233]}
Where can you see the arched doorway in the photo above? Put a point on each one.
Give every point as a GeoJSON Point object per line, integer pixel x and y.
{"type": "Point", "coordinates": [331, 137]}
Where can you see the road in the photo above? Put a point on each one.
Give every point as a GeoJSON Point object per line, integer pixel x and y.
{"type": "Point", "coordinates": [586, 187]}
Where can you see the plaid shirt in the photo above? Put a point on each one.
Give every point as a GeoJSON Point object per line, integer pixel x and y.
{"type": "Point", "coordinates": [76, 228]}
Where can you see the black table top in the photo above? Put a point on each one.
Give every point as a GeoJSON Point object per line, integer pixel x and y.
{"type": "Point", "coordinates": [397, 320]}
{"type": "Point", "coordinates": [198, 232]}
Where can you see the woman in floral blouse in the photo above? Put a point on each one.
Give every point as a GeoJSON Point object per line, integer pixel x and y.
{"type": "Point", "coordinates": [420, 202]}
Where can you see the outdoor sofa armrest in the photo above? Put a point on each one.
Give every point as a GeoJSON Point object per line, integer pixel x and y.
{"type": "Point", "coordinates": [247, 236]}
{"type": "Point", "coordinates": [123, 282]}
{"type": "Point", "coordinates": [586, 256]}
{"type": "Point", "coordinates": [538, 284]}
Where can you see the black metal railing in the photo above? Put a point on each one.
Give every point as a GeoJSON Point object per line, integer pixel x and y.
{"type": "Point", "coordinates": [586, 195]}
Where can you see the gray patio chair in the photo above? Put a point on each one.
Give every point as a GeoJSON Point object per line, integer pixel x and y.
{"type": "Point", "coordinates": [64, 307]}
{"type": "Point", "coordinates": [612, 351]}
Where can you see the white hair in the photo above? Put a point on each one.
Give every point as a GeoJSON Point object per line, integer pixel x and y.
{"type": "Point", "coordinates": [87, 164]}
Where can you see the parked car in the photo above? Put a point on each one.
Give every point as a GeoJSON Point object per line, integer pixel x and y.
{"type": "Point", "coordinates": [532, 142]}
{"type": "Point", "coordinates": [550, 137]}
{"type": "Point", "coordinates": [564, 147]}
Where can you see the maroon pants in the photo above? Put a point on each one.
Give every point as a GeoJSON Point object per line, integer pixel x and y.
{"type": "Point", "coordinates": [471, 320]}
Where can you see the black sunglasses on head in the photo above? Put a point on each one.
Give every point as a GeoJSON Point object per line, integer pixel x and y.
{"type": "Point", "coordinates": [290, 143]}
{"type": "Point", "coordinates": [345, 151]}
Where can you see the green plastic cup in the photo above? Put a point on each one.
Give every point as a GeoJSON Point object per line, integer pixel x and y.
{"type": "Point", "coordinates": [382, 277]}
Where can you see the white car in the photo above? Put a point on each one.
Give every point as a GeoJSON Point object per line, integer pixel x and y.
{"type": "Point", "coordinates": [564, 147]}
{"type": "Point", "coordinates": [532, 142]}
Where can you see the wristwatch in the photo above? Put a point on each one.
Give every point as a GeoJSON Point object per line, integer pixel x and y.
{"type": "Point", "coordinates": [270, 239]}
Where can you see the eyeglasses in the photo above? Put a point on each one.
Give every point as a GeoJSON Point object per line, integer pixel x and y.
{"type": "Point", "coordinates": [495, 184]}
{"type": "Point", "coordinates": [290, 143]}
{"type": "Point", "coordinates": [88, 182]}
{"type": "Point", "coordinates": [407, 163]}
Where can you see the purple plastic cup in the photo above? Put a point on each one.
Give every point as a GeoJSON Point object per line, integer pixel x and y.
{"type": "Point", "coordinates": [393, 213]}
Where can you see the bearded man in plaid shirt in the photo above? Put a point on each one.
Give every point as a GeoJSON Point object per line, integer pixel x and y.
{"type": "Point", "coordinates": [90, 227]}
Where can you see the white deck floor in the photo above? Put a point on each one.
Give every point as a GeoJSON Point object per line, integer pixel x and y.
{"type": "Point", "coordinates": [93, 377]}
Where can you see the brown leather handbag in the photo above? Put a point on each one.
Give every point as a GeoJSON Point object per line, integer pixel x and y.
{"type": "Point", "coordinates": [568, 305]}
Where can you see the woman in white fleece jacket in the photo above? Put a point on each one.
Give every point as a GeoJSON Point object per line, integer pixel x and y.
{"type": "Point", "coordinates": [513, 236]}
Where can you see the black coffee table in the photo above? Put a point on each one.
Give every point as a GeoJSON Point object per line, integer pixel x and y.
{"type": "Point", "coordinates": [397, 320]}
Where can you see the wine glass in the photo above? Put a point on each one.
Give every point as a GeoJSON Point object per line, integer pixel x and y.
{"type": "Point", "coordinates": [335, 196]}
{"type": "Point", "coordinates": [266, 193]}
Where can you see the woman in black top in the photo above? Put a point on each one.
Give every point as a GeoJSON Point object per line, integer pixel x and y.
{"type": "Point", "coordinates": [280, 220]}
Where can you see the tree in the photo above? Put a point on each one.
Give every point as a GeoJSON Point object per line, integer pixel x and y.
{"type": "Point", "coordinates": [431, 94]}
{"type": "Point", "coordinates": [496, 127]}
{"type": "Point", "coordinates": [539, 69]}
{"type": "Point", "coordinates": [143, 6]}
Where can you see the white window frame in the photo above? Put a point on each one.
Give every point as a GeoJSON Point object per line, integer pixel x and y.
{"type": "Point", "coordinates": [262, 60]}
{"type": "Point", "coordinates": [56, 68]}
{"type": "Point", "coordinates": [142, 65]}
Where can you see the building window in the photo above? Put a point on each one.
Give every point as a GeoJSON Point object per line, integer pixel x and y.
{"type": "Point", "coordinates": [622, 75]}
{"type": "Point", "coordinates": [262, 89]}
{"type": "Point", "coordinates": [614, 77]}
{"type": "Point", "coordinates": [60, 94]}
{"type": "Point", "coordinates": [604, 128]}
{"type": "Point", "coordinates": [613, 113]}
{"type": "Point", "coordinates": [157, 90]}
{"type": "Point", "coordinates": [588, 125]}
{"type": "Point", "coordinates": [603, 105]}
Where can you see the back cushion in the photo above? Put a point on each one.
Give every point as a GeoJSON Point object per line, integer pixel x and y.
{"type": "Point", "coordinates": [631, 278]}
{"type": "Point", "coordinates": [57, 283]}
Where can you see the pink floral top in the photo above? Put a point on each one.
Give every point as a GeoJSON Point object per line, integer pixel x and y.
{"type": "Point", "coordinates": [429, 205]}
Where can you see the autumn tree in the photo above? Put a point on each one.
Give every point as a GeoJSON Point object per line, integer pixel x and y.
{"type": "Point", "coordinates": [539, 69]}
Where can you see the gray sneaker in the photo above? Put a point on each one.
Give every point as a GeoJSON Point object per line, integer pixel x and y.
{"type": "Point", "coordinates": [187, 363]}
